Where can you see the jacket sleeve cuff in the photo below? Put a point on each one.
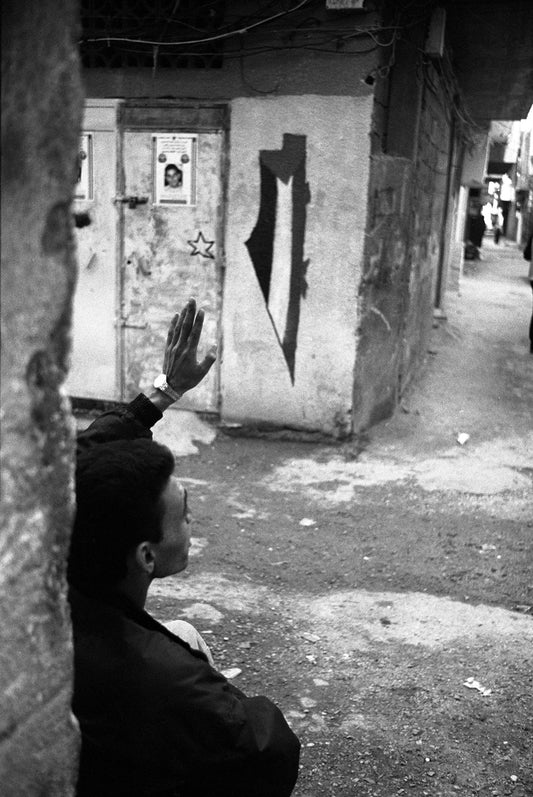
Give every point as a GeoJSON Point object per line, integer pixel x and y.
{"type": "Point", "coordinates": [144, 411]}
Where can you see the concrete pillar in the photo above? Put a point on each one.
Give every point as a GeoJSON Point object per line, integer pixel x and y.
{"type": "Point", "coordinates": [41, 116]}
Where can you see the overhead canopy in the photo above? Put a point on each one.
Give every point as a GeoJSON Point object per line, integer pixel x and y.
{"type": "Point", "coordinates": [492, 55]}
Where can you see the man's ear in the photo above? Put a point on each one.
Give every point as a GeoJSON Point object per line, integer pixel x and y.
{"type": "Point", "coordinates": [144, 557]}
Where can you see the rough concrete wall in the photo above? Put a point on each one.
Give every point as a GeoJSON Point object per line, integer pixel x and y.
{"type": "Point", "coordinates": [257, 381]}
{"type": "Point", "coordinates": [41, 111]}
{"type": "Point", "coordinates": [406, 212]}
{"type": "Point", "coordinates": [384, 290]}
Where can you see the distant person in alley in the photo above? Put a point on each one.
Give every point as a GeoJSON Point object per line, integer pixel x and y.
{"type": "Point", "coordinates": [475, 230]}
{"type": "Point", "coordinates": [157, 719]}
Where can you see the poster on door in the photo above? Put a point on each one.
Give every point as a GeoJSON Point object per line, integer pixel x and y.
{"type": "Point", "coordinates": [84, 183]}
{"type": "Point", "coordinates": [174, 169]}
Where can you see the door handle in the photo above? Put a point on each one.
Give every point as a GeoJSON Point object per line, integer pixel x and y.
{"type": "Point", "coordinates": [131, 201]}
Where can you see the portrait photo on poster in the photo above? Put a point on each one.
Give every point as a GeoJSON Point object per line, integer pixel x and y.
{"type": "Point", "coordinates": [174, 165]}
{"type": "Point", "coordinates": [84, 183]}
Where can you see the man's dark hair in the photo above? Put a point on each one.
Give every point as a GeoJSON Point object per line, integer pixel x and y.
{"type": "Point", "coordinates": [118, 505]}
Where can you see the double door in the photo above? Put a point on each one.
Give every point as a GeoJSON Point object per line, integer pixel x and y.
{"type": "Point", "coordinates": [150, 181]}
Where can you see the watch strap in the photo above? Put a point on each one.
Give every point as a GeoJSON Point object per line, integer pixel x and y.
{"type": "Point", "coordinates": [160, 383]}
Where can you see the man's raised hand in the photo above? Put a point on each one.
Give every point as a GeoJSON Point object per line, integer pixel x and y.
{"type": "Point", "coordinates": [180, 364]}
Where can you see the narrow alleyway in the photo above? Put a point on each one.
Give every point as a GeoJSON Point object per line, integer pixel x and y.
{"type": "Point", "coordinates": [383, 597]}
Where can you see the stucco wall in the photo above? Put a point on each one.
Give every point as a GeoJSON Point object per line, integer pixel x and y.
{"type": "Point", "coordinates": [41, 112]}
{"type": "Point", "coordinates": [256, 379]}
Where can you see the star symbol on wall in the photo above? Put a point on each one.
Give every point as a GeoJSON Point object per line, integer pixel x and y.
{"type": "Point", "coordinates": [200, 246]}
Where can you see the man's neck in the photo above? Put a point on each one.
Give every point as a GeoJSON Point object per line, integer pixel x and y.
{"type": "Point", "coordinates": [135, 589]}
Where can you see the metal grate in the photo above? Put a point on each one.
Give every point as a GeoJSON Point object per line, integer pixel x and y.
{"type": "Point", "coordinates": [108, 25]}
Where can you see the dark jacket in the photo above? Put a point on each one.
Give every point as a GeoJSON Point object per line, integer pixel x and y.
{"type": "Point", "coordinates": [155, 717]}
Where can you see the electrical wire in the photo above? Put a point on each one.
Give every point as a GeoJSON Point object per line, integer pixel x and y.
{"type": "Point", "coordinates": [332, 45]}
{"type": "Point", "coordinates": [306, 47]}
{"type": "Point", "coordinates": [447, 94]}
{"type": "Point", "coordinates": [336, 35]}
{"type": "Point", "coordinates": [234, 54]}
{"type": "Point", "coordinates": [205, 40]}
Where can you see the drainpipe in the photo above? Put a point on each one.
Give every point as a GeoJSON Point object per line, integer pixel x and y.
{"type": "Point", "coordinates": [444, 226]}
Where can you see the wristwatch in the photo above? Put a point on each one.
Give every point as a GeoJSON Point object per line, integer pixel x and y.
{"type": "Point", "coordinates": [160, 383]}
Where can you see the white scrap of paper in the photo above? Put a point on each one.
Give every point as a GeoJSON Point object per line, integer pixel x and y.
{"type": "Point", "coordinates": [471, 683]}
{"type": "Point", "coordinates": [230, 673]}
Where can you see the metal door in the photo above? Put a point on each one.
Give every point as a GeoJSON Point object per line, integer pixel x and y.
{"type": "Point", "coordinates": [171, 242]}
{"type": "Point", "coordinates": [93, 372]}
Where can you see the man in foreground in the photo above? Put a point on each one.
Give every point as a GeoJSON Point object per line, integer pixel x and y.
{"type": "Point", "coordinates": [156, 718]}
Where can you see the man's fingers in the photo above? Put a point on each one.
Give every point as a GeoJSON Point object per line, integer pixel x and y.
{"type": "Point", "coordinates": [189, 307]}
{"type": "Point", "coordinates": [170, 338]}
{"type": "Point", "coordinates": [208, 360]}
{"type": "Point", "coordinates": [172, 327]}
{"type": "Point", "coordinates": [187, 322]}
{"type": "Point", "coordinates": [196, 331]}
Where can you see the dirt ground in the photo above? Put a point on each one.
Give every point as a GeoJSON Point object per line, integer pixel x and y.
{"type": "Point", "coordinates": [383, 597]}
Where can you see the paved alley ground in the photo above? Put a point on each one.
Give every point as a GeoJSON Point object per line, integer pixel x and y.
{"type": "Point", "coordinates": [381, 593]}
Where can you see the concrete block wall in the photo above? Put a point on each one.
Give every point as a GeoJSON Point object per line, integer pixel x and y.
{"type": "Point", "coordinates": [41, 113]}
{"type": "Point", "coordinates": [427, 218]}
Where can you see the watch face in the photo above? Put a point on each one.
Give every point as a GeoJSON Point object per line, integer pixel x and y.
{"type": "Point", "coordinates": [160, 383]}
